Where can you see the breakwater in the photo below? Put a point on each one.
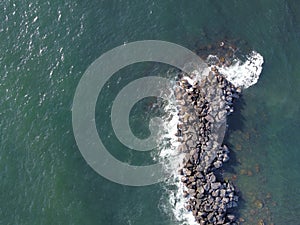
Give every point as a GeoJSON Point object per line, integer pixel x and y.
{"type": "Point", "coordinates": [203, 106]}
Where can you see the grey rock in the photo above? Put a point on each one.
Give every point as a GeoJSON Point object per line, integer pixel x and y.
{"type": "Point", "coordinates": [215, 193]}
{"type": "Point", "coordinates": [215, 186]}
{"type": "Point", "coordinates": [210, 217]}
{"type": "Point", "coordinates": [184, 179]}
{"type": "Point", "coordinates": [201, 190]}
{"type": "Point", "coordinates": [222, 193]}
{"type": "Point", "coordinates": [225, 158]}
{"type": "Point", "coordinates": [212, 177]}
{"type": "Point", "coordinates": [231, 217]}
{"type": "Point", "coordinates": [206, 187]}
{"type": "Point", "coordinates": [217, 164]}
{"type": "Point", "coordinates": [210, 118]}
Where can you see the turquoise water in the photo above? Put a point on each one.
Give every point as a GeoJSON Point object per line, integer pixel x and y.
{"type": "Point", "coordinates": [45, 47]}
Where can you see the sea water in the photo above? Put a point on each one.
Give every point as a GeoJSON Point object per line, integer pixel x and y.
{"type": "Point", "coordinates": [45, 47]}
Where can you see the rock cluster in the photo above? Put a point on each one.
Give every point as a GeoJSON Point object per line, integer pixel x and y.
{"type": "Point", "coordinates": [203, 107]}
{"type": "Point", "coordinates": [223, 52]}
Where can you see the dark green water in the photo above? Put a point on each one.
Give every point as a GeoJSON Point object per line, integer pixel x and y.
{"type": "Point", "coordinates": [45, 47]}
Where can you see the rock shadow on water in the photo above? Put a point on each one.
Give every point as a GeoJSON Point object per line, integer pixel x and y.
{"type": "Point", "coordinates": [233, 162]}
{"type": "Point", "coordinates": [236, 121]}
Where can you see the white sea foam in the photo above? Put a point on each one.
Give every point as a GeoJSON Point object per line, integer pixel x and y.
{"type": "Point", "coordinates": [172, 161]}
{"type": "Point", "coordinates": [241, 74]}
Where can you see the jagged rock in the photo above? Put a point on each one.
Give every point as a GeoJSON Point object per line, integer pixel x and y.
{"type": "Point", "coordinates": [231, 217]}
{"type": "Point", "coordinates": [217, 164]}
{"type": "Point", "coordinates": [215, 186]}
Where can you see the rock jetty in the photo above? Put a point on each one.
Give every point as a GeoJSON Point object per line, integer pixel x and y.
{"type": "Point", "coordinates": [203, 107]}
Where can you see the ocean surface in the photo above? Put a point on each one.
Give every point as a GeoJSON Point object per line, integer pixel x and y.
{"type": "Point", "coordinates": [46, 46]}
